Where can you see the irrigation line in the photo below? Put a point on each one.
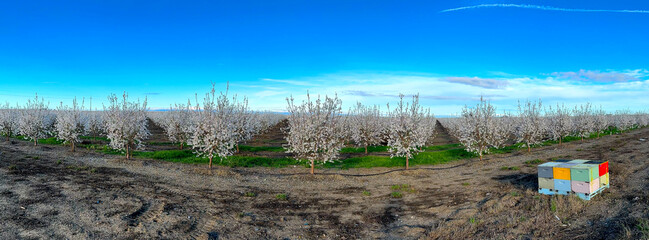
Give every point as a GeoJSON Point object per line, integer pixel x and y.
{"type": "Point", "coordinates": [244, 172]}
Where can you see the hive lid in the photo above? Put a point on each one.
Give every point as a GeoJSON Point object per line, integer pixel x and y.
{"type": "Point", "coordinates": [561, 160]}
{"type": "Point", "coordinates": [566, 165]}
{"type": "Point", "coordinates": [585, 166]}
{"type": "Point", "coordinates": [550, 164]}
{"type": "Point", "coordinates": [579, 161]}
{"type": "Point", "coordinates": [595, 162]}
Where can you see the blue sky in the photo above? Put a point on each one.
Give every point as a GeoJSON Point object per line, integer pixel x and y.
{"type": "Point", "coordinates": [450, 52]}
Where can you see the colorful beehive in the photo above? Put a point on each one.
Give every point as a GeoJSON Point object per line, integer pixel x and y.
{"type": "Point", "coordinates": [584, 178]}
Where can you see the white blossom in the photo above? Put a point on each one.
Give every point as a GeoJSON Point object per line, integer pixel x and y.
{"type": "Point", "coordinates": [584, 120]}
{"type": "Point", "coordinates": [409, 128]}
{"type": "Point", "coordinates": [35, 120]}
{"type": "Point", "coordinates": [365, 125]}
{"type": "Point", "coordinates": [8, 121]}
{"type": "Point", "coordinates": [176, 122]}
{"type": "Point", "coordinates": [213, 129]}
{"type": "Point", "coordinates": [247, 123]}
{"type": "Point", "coordinates": [601, 121]}
{"type": "Point", "coordinates": [530, 125]}
{"type": "Point", "coordinates": [315, 129]}
{"type": "Point", "coordinates": [560, 122]}
{"type": "Point", "coordinates": [480, 128]}
{"type": "Point", "coordinates": [126, 124]}
{"type": "Point", "coordinates": [69, 123]}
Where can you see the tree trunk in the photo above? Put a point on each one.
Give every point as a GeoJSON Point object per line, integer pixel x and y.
{"type": "Point", "coordinates": [127, 151]}
{"type": "Point", "coordinates": [407, 164]}
{"type": "Point", "coordinates": [35, 141]}
{"type": "Point", "coordinates": [181, 146]}
{"type": "Point", "coordinates": [597, 135]}
{"type": "Point", "coordinates": [72, 143]}
{"type": "Point", "coordinates": [560, 138]}
{"type": "Point", "coordinates": [211, 161]}
{"type": "Point", "coordinates": [365, 149]}
{"type": "Point", "coordinates": [480, 157]}
{"type": "Point", "coordinates": [582, 138]}
{"type": "Point", "coordinates": [529, 149]}
{"type": "Point", "coordinates": [312, 167]}
{"type": "Point", "coordinates": [237, 148]}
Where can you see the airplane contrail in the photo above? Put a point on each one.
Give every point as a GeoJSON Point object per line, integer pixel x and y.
{"type": "Point", "coordinates": [546, 8]}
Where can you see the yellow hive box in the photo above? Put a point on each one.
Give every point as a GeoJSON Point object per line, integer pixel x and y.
{"type": "Point", "coordinates": [603, 180]}
{"type": "Point", "coordinates": [561, 173]}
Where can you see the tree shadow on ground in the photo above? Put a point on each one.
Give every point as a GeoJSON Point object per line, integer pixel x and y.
{"type": "Point", "coordinates": [522, 181]}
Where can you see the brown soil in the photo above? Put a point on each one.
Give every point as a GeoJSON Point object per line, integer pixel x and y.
{"type": "Point", "coordinates": [93, 196]}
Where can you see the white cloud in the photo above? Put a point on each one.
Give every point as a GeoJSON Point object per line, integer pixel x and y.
{"type": "Point", "coordinates": [444, 97]}
{"type": "Point", "coordinates": [546, 8]}
{"type": "Point", "coordinates": [598, 76]}
{"type": "Point", "coordinates": [289, 82]}
{"type": "Point", "coordinates": [478, 82]}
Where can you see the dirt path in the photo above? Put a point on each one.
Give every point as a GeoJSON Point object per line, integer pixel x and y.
{"type": "Point", "coordinates": [90, 195]}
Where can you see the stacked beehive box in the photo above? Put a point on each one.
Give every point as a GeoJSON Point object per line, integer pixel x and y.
{"type": "Point", "coordinates": [584, 178]}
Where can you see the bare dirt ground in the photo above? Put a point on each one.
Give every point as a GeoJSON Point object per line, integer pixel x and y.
{"type": "Point", "coordinates": [48, 192]}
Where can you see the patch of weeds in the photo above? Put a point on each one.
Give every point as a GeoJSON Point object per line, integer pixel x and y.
{"type": "Point", "coordinates": [506, 168]}
{"type": "Point", "coordinates": [241, 215]}
{"type": "Point", "coordinates": [367, 193]}
{"type": "Point", "coordinates": [396, 194]}
{"type": "Point", "coordinates": [250, 194]}
{"type": "Point", "coordinates": [643, 226]}
{"type": "Point", "coordinates": [78, 168]}
{"type": "Point", "coordinates": [537, 197]}
{"type": "Point", "coordinates": [534, 162]}
{"type": "Point", "coordinates": [13, 167]}
{"type": "Point", "coordinates": [612, 149]}
{"type": "Point", "coordinates": [404, 188]}
{"type": "Point", "coordinates": [515, 194]}
{"type": "Point", "coordinates": [473, 220]}
{"type": "Point", "coordinates": [281, 196]}
{"type": "Point", "coordinates": [59, 162]}
{"type": "Point", "coordinates": [522, 219]}
{"type": "Point", "coordinates": [35, 158]}
{"type": "Point", "coordinates": [465, 184]}
{"type": "Point", "coordinates": [553, 205]}
{"type": "Point", "coordinates": [93, 170]}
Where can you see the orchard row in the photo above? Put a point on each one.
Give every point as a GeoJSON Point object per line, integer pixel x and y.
{"type": "Point", "coordinates": [317, 128]}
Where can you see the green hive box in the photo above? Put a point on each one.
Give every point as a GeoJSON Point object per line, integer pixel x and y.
{"type": "Point", "coordinates": [580, 173]}
{"type": "Point", "coordinates": [584, 172]}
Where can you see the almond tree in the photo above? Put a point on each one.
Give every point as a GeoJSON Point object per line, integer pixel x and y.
{"type": "Point", "coordinates": [69, 123]}
{"type": "Point", "coordinates": [601, 121]}
{"type": "Point", "coordinates": [247, 124]}
{"type": "Point", "coordinates": [479, 128]}
{"type": "Point", "coordinates": [642, 119]}
{"type": "Point", "coordinates": [315, 129]}
{"type": "Point", "coordinates": [530, 125]}
{"type": "Point", "coordinates": [365, 125]}
{"type": "Point", "coordinates": [429, 128]}
{"type": "Point", "coordinates": [126, 124]}
{"type": "Point", "coordinates": [560, 122]}
{"type": "Point", "coordinates": [268, 119]}
{"type": "Point", "coordinates": [213, 129]}
{"type": "Point", "coordinates": [584, 120]}
{"type": "Point", "coordinates": [94, 124]}
{"type": "Point", "coordinates": [407, 130]}
{"type": "Point", "coordinates": [177, 122]}
{"type": "Point", "coordinates": [8, 121]}
{"type": "Point", "coordinates": [623, 120]}
{"type": "Point", "coordinates": [35, 120]}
